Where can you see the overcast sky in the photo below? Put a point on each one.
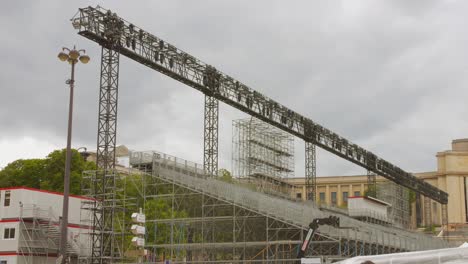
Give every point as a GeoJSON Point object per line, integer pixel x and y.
{"type": "Point", "coordinates": [391, 76]}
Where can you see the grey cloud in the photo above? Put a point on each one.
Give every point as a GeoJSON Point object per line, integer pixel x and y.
{"type": "Point", "coordinates": [378, 73]}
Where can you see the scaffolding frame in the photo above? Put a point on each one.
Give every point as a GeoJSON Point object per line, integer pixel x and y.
{"type": "Point", "coordinates": [398, 197]}
{"type": "Point", "coordinates": [262, 155]}
{"type": "Point", "coordinates": [108, 208]}
{"type": "Point", "coordinates": [208, 220]}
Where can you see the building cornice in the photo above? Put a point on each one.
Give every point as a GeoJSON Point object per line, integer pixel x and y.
{"type": "Point", "coordinates": [451, 153]}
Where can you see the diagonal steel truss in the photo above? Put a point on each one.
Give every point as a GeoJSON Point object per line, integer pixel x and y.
{"type": "Point", "coordinates": [106, 28]}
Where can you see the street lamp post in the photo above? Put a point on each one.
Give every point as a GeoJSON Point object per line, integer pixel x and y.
{"type": "Point", "coordinates": [72, 56]}
{"type": "Point", "coordinates": [85, 154]}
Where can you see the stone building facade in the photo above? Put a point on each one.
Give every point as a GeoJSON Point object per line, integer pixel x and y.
{"type": "Point", "coordinates": [451, 177]}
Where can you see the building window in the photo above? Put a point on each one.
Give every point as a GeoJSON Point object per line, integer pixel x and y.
{"type": "Point", "coordinates": [8, 233]}
{"type": "Point", "coordinates": [357, 193]}
{"type": "Point", "coordinates": [322, 197]}
{"type": "Point", "coordinates": [7, 198]}
{"type": "Point", "coordinates": [345, 197]}
{"type": "Point", "coordinates": [299, 195]}
{"type": "Point", "coordinates": [333, 198]}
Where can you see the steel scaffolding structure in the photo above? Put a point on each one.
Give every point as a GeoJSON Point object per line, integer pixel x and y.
{"type": "Point", "coordinates": [263, 156]}
{"type": "Point", "coordinates": [201, 219]}
{"type": "Point", "coordinates": [260, 149]}
{"type": "Point", "coordinates": [108, 209]}
{"type": "Point", "coordinates": [398, 197]}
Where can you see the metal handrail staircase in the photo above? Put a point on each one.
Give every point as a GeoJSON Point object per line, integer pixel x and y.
{"type": "Point", "coordinates": [40, 233]}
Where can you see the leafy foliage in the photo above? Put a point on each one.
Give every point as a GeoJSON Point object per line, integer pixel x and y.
{"type": "Point", "coordinates": [46, 174]}
{"type": "Point", "coordinates": [225, 176]}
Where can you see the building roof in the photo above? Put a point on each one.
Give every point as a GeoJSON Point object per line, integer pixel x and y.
{"type": "Point", "coordinates": [372, 199]}
{"type": "Point", "coordinates": [45, 191]}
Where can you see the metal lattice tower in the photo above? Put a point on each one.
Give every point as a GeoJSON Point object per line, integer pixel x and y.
{"type": "Point", "coordinates": [371, 184]}
{"type": "Point", "coordinates": [210, 150]}
{"type": "Point", "coordinates": [310, 171]}
{"type": "Point", "coordinates": [107, 119]}
{"type": "Point", "coordinates": [105, 248]}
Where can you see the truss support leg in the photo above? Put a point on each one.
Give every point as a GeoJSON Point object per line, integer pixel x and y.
{"type": "Point", "coordinates": [210, 157]}
{"type": "Point", "coordinates": [427, 212]}
{"type": "Point", "coordinates": [107, 119]}
{"type": "Point", "coordinates": [310, 171]}
{"type": "Point", "coordinates": [371, 184]}
{"type": "Point", "coordinates": [104, 181]}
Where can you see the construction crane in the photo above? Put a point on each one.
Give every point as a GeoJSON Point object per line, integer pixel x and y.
{"type": "Point", "coordinates": [313, 226]}
{"type": "Point", "coordinates": [118, 36]}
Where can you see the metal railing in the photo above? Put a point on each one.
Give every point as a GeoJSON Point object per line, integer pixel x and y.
{"type": "Point", "coordinates": [42, 233]}
{"type": "Point", "coordinates": [300, 214]}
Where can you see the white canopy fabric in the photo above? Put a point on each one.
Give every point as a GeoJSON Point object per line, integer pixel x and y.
{"type": "Point", "coordinates": [438, 256]}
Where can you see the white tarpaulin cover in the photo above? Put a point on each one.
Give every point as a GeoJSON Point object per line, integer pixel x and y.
{"type": "Point", "coordinates": [438, 256]}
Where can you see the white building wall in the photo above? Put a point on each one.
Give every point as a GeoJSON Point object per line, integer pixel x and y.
{"type": "Point", "coordinates": [41, 203]}
{"type": "Point", "coordinates": [9, 245]}
{"type": "Point", "coordinates": [42, 199]}
{"type": "Point", "coordinates": [32, 260]}
{"type": "Point", "coordinates": [10, 259]}
{"type": "Point", "coordinates": [362, 206]}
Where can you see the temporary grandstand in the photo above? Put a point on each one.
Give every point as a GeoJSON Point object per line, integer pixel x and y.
{"type": "Point", "coordinates": [207, 219]}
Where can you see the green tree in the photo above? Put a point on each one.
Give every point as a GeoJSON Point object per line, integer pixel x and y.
{"type": "Point", "coordinates": [46, 174]}
{"type": "Point", "coordinates": [55, 171]}
{"type": "Point", "coordinates": [371, 191]}
{"type": "Point", "coordinates": [23, 172]}
{"type": "Point", "coordinates": [225, 176]}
